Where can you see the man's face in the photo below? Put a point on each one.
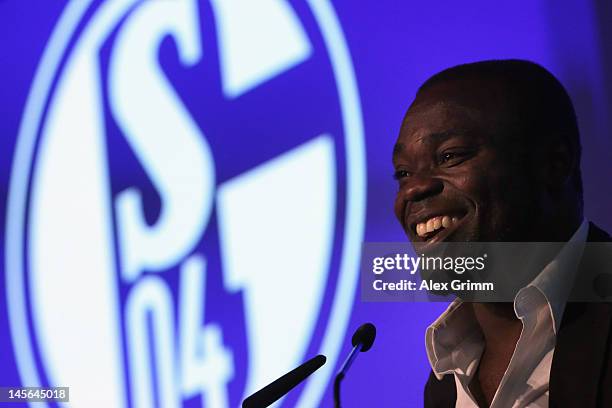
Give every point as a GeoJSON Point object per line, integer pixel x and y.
{"type": "Point", "coordinates": [456, 181]}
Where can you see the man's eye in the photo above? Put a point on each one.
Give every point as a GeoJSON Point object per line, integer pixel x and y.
{"type": "Point", "coordinates": [453, 158]}
{"type": "Point", "coordinates": [400, 174]}
{"type": "Point", "coordinates": [446, 157]}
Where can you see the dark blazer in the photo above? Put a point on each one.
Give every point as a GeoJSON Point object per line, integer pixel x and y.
{"type": "Point", "coordinates": [581, 372]}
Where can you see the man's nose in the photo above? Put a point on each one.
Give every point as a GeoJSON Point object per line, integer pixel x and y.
{"type": "Point", "coordinates": [420, 187]}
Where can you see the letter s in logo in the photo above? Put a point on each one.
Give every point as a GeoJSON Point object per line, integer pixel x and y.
{"type": "Point", "coordinates": [168, 143]}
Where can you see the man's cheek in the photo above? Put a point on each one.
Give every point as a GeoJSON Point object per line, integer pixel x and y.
{"type": "Point", "coordinates": [398, 206]}
{"type": "Point", "coordinates": [471, 176]}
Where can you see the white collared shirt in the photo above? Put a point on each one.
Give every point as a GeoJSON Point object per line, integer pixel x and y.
{"type": "Point", "coordinates": [454, 342]}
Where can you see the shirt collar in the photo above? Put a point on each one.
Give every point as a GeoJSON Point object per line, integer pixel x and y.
{"type": "Point", "coordinates": [454, 340]}
{"type": "Point", "coordinates": [556, 279]}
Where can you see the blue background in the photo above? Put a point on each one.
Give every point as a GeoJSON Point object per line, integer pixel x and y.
{"type": "Point", "coordinates": [395, 46]}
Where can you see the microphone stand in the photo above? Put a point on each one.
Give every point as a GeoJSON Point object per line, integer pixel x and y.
{"type": "Point", "coordinates": [340, 376]}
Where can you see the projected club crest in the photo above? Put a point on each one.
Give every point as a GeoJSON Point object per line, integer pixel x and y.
{"type": "Point", "coordinates": [187, 202]}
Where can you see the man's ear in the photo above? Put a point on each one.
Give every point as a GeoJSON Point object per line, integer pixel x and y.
{"type": "Point", "coordinates": [560, 166]}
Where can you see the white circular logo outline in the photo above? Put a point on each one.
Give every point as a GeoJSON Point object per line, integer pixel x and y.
{"type": "Point", "coordinates": [355, 189]}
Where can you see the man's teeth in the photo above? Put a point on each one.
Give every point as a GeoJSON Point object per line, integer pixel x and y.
{"type": "Point", "coordinates": [435, 223]}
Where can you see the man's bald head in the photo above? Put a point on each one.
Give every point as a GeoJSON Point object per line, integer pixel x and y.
{"type": "Point", "coordinates": [522, 102]}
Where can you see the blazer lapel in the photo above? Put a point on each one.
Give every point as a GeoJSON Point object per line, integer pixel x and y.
{"type": "Point", "coordinates": [577, 364]}
{"type": "Point", "coordinates": [582, 344]}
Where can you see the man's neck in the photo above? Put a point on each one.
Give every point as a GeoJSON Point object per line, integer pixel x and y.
{"type": "Point", "coordinates": [498, 321]}
{"type": "Point", "coordinates": [499, 324]}
{"type": "Point", "coordinates": [501, 330]}
{"type": "Point", "coordinates": [560, 227]}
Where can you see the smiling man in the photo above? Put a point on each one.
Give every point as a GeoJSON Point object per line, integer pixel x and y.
{"type": "Point", "coordinates": [488, 152]}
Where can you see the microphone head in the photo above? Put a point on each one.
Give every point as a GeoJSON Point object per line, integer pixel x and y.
{"type": "Point", "coordinates": [365, 334]}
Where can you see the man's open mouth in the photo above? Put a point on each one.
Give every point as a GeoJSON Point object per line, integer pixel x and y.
{"type": "Point", "coordinates": [437, 228]}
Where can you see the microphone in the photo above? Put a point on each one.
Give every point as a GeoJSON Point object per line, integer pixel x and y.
{"type": "Point", "coordinates": [272, 392]}
{"type": "Point", "coordinates": [362, 341]}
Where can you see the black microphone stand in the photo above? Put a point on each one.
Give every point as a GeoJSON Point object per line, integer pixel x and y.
{"type": "Point", "coordinates": [340, 376]}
